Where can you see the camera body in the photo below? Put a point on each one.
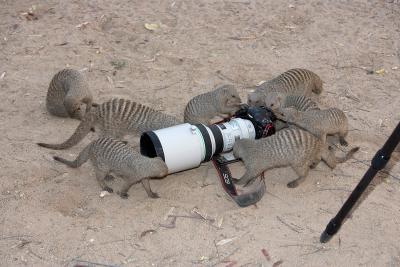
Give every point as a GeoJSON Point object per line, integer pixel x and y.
{"type": "Point", "coordinates": [186, 146]}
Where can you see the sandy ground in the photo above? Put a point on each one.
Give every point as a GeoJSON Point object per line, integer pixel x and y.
{"type": "Point", "coordinates": [53, 216]}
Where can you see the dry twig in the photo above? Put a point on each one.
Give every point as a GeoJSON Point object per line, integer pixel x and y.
{"type": "Point", "coordinates": [144, 233]}
{"type": "Point", "coordinates": [295, 228]}
{"type": "Point", "coordinates": [90, 263]}
{"type": "Point", "coordinates": [277, 263]}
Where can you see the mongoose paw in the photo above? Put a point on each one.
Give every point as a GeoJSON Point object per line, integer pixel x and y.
{"type": "Point", "coordinates": [293, 184]}
{"type": "Point", "coordinates": [124, 195]}
{"type": "Point", "coordinates": [108, 189]}
{"type": "Point", "coordinates": [154, 195]}
{"type": "Point", "coordinates": [343, 142]}
{"type": "Point", "coordinates": [313, 165]}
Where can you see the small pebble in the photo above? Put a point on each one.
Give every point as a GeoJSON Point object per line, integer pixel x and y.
{"type": "Point", "coordinates": [104, 193]}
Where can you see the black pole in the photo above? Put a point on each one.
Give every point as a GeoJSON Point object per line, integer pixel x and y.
{"type": "Point", "coordinates": [378, 163]}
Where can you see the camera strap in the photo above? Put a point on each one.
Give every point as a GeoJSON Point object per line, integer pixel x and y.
{"type": "Point", "coordinates": [245, 199]}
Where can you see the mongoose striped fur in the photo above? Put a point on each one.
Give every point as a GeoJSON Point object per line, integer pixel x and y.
{"type": "Point", "coordinates": [110, 156]}
{"type": "Point", "coordinates": [68, 91]}
{"type": "Point", "coordinates": [118, 118]}
{"type": "Point", "coordinates": [291, 82]}
{"type": "Point", "coordinates": [222, 102]}
{"type": "Point", "coordinates": [299, 102]}
{"type": "Point", "coordinates": [292, 147]}
{"type": "Point", "coordinates": [318, 122]}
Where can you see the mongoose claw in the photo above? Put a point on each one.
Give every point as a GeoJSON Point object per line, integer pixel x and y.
{"type": "Point", "coordinates": [343, 142]}
{"type": "Point", "coordinates": [108, 189]}
{"type": "Point", "coordinates": [313, 165]}
{"type": "Point", "coordinates": [154, 195]}
{"type": "Point", "coordinates": [124, 195]}
{"type": "Point", "coordinates": [293, 184]}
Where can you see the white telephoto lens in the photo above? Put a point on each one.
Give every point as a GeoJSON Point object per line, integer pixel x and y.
{"type": "Point", "coordinates": [185, 146]}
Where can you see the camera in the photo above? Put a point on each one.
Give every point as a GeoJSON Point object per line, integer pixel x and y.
{"type": "Point", "coordinates": [186, 146]}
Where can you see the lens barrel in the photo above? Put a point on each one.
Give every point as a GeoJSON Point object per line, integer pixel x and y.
{"type": "Point", "coordinates": [186, 146]}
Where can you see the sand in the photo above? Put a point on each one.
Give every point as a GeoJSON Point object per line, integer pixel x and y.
{"type": "Point", "coordinates": [52, 215]}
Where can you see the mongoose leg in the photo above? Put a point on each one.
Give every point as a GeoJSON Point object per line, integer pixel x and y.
{"type": "Point", "coordinates": [313, 165]}
{"type": "Point", "coordinates": [329, 158]}
{"type": "Point", "coordinates": [100, 174]}
{"type": "Point", "coordinates": [224, 116]}
{"type": "Point", "coordinates": [215, 119]}
{"type": "Point", "coordinates": [323, 137]}
{"type": "Point", "coordinates": [342, 141]}
{"type": "Point", "coordinates": [302, 172]}
{"type": "Point", "coordinates": [146, 185]}
{"type": "Point", "coordinates": [129, 181]}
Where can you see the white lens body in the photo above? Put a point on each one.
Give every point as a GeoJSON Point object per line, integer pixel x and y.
{"type": "Point", "coordinates": [186, 146]}
{"type": "Point", "coordinates": [236, 129]}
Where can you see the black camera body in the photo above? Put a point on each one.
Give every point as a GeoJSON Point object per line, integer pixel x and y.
{"type": "Point", "coordinates": [262, 119]}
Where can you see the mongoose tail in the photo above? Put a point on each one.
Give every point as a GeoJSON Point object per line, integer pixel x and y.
{"type": "Point", "coordinates": [82, 158]}
{"type": "Point", "coordinates": [83, 129]}
{"type": "Point", "coordinates": [331, 160]}
{"type": "Point", "coordinates": [348, 155]}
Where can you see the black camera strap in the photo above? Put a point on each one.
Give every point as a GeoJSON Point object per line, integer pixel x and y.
{"type": "Point", "coordinates": [245, 199]}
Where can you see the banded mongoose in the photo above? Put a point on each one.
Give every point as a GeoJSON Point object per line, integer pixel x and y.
{"type": "Point", "coordinates": [110, 156]}
{"type": "Point", "coordinates": [318, 122]}
{"type": "Point", "coordinates": [299, 102]}
{"type": "Point", "coordinates": [117, 118]}
{"type": "Point", "coordinates": [68, 91]}
{"type": "Point", "coordinates": [222, 102]}
{"type": "Point", "coordinates": [292, 147]}
{"type": "Point", "coordinates": [291, 82]}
